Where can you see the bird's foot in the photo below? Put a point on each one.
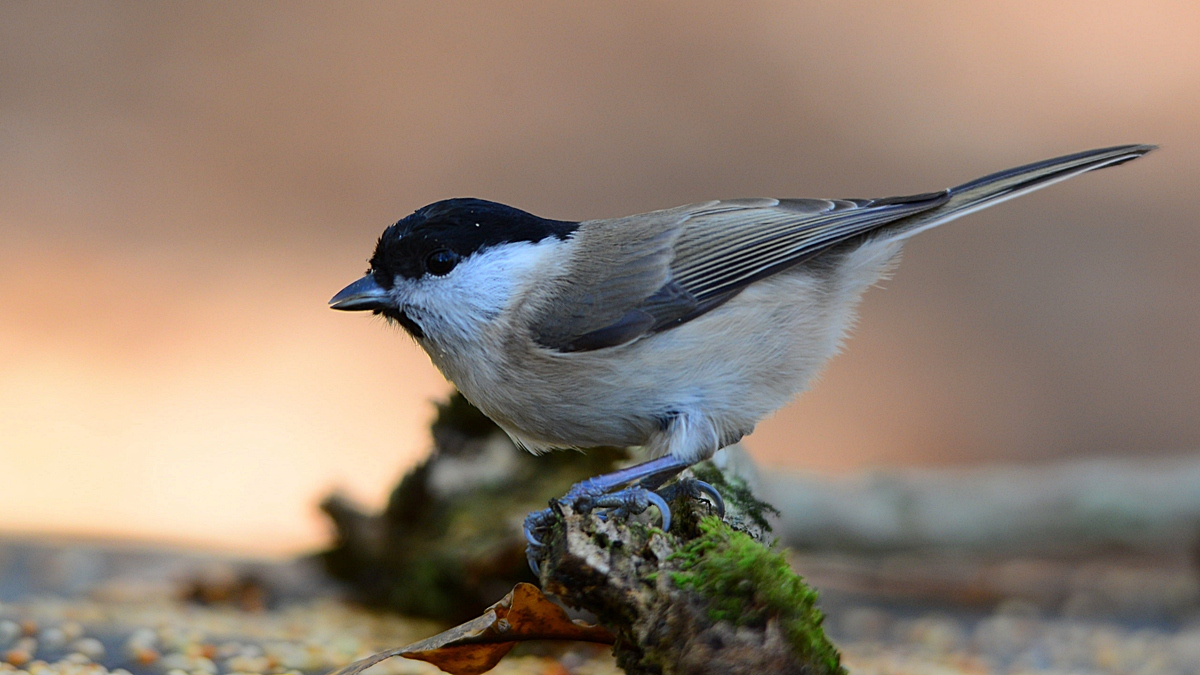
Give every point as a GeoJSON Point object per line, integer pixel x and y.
{"type": "Point", "coordinates": [583, 498]}
{"type": "Point", "coordinates": [623, 503]}
{"type": "Point", "coordinates": [586, 496]}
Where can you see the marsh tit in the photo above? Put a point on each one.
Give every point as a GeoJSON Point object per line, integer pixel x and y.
{"type": "Point", "coordinates": [676, 330]}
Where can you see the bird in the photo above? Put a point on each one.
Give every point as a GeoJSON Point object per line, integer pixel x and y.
{"type": "Point", "coordinates": [676, 330]}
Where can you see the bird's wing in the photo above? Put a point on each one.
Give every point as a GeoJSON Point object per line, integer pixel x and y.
{"type": "Point", "coordinates": [642, 274]}
{"type": "Point", "coordinates": [731, 244]}
{"type": "Point", "coordinates": [616, 266]}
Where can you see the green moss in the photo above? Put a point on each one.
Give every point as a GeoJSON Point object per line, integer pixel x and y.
{"type": "Point", "coordinates": [748, 583]}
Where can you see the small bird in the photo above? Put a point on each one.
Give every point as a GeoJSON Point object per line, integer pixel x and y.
{"type": "Point", "coordinates": [675, 330]}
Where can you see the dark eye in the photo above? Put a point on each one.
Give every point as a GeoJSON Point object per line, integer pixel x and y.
{"type": "Point", "coordinates": [440, 262]}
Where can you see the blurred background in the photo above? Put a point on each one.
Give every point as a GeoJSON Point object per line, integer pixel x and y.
{"type": "Point", "coordinates": [183, 187]}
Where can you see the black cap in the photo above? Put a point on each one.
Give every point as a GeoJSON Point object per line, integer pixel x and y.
{"type": "Point", "coordinates": [464, 226]}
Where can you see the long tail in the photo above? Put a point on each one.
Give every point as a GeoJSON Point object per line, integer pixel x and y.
{"type": "Point", "coordinates": [998, 187]}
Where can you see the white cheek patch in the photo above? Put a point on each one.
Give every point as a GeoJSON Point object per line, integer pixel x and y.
{"type": "Point", "coordinates": [476, 291]}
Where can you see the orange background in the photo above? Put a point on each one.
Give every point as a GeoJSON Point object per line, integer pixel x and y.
{"type": "Point", "coordinates": [183, 186]}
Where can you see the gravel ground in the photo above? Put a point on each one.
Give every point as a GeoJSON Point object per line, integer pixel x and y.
{"type": "Point", "coordinates": [82, 637]}
{"type": "Point", "coordinates": [88, 610]}
{"type": "Point", "coordinates": [169, 637]}
{"type": "Point", "coordinates": [1014, 638]}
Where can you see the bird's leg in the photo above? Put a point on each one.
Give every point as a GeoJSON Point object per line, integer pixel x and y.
{"type": "Point", "coordinates": [649, 475]}
{"type": "Point", "coordinates": [601, 492]}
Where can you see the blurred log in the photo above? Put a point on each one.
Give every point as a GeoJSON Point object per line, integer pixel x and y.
{"type": "Point", "coordinates": [449, 541]}
{"type": "Point", "coordinates": [1068, 508]}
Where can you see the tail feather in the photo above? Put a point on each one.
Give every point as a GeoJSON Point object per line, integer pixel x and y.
{"type": "Point", "coordinates": [1004, 185]}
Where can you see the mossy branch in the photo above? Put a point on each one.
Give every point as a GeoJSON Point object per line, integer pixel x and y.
{"type": "Point", "coordinates": [708, 597]}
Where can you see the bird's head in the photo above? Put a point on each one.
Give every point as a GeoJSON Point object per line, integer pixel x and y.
{"type": "Point", "coordinates": [451, 267]}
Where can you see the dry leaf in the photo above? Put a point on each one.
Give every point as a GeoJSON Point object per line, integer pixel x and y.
{"type": "Point", "coordinates": [478, 645]}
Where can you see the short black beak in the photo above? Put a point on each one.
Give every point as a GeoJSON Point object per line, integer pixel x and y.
{"type": "Point", "coordinates": [361, 295]}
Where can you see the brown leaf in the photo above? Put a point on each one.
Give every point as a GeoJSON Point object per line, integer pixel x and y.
{"type": "Point", "coordinates": [478, 645]}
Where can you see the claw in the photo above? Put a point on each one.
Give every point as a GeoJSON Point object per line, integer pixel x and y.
{"type": "Point", "coordinates": [662, 509]}
{"type": "Point", "coordinates": [535, 521]}
{"type": "Point", "coordinates": [695, 489]}
{"type": "Point", "coordinates": [716, 496]}
{"type": "Point", "coordinates": [533, 541]}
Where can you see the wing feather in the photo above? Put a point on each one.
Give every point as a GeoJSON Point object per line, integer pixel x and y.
{"type": "Point", "coordinates": [724, 251]}
{"type": "Point", "coordinates": [642, 274]}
